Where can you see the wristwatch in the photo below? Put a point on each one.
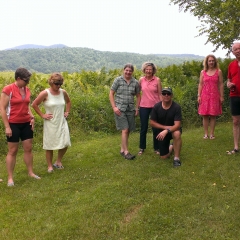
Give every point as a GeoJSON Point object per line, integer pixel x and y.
{"type": "Point", "coordinates": [168, 130]}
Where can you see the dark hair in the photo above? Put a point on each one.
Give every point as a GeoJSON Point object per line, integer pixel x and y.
{"type": "Point", "coordinates": [146, 64]}
{"type": "Point", "coordinates": [129, 65]}
{"type": "Point", "coordinates": [22, 73]}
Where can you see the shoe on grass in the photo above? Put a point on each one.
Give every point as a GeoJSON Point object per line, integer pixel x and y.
{"type": "Point", "coordinates": [176, 163]}
{"type": "Point", "coordinates": [129, 156]}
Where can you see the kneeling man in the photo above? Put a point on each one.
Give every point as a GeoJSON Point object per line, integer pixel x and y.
{"type": "Point", "coordinates": [166, 117]}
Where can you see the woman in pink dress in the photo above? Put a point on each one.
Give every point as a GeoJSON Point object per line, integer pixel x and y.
{"type": "Point", "coordinates": [210, 94]}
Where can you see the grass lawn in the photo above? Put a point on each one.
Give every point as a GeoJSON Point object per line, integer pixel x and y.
{"type": "Point", "coordinates": [99, 195]}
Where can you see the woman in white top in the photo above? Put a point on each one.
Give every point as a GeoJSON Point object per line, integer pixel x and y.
{"type": "Point", "coordinates": [55, 128]}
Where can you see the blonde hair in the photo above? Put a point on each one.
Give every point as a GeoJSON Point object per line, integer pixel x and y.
{"type": "Point", "coordinates": [147, 64]}
{"type": "Point", "coordinates": [205, 62]}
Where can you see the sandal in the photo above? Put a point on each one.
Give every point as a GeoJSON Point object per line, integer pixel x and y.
{"type": "Point", "coordinates": [212, 137]}
{"type": "Point", "coordinates": [141, 151]}
{"type": "Point", "coordinates": [157, 152]}
{"type": "Point", "coordinates": [232, 152]}
{"type": "Point", "coordinates": [58, 166]}
{"type": "Point", "coordinates": [205, 137]}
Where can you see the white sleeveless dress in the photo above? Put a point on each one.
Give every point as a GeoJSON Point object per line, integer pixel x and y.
{"type": "Point", "coordinates": [55, 131]}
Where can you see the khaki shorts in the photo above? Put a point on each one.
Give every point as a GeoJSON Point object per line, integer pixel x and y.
{"type": "Point", "coordinates": [125, 121]}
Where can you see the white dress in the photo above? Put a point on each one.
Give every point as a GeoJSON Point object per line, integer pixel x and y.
{"type": "Point", "coordinates": [55, 131]}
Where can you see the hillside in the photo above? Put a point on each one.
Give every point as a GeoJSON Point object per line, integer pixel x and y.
{"type": "Point", "coordinates": [62, 58]}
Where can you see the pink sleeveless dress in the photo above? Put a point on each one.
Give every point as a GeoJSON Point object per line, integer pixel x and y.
{"type": "Point", "coordinates": [210, 96]}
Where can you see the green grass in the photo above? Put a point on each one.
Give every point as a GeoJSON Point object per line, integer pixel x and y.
{"type": "Point", "coordinates": [99, 195]}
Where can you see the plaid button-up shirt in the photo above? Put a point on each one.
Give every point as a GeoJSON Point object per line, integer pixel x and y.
{"type": "Point", "coordinates": [124, 93]}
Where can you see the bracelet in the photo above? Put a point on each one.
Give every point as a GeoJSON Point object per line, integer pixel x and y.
{"type": "Point", "coordinates": [32, 118]}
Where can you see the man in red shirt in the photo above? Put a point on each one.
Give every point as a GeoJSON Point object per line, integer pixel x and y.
{"type": "Point", "coordinates": [233, 84]}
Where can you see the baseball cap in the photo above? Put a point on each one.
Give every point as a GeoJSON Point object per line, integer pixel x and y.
{"type": "Point", "coordinates": [167, 89]}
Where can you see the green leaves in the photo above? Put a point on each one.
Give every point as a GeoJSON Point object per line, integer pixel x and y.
{"type": "Point", "coordinates": [220, 20]}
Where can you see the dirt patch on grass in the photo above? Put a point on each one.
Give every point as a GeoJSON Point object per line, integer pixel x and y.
{"type": "Point", "coordinates": [131, 214]}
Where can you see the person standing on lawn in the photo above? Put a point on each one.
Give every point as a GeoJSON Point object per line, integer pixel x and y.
{"type": "Point", "coordinates": [166, 117]}
{"type": "Point", "coordinates": [151, 88]}
{"type": "Point", "coordinates": [18, 121]}
{"type": "Point", "coordinates": [210, 94]}
{"type": "Point", "coordinates": [233, 83]}
{"type": "Point", "coordinates": [55, 127]}
{"type": "Point", "coordinates": [121, 97]}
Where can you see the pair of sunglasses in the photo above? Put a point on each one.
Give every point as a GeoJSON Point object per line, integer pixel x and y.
{"type": "Point", "coordinates": [166, 93]}
{"type": "Point", "coordinates": [57, 84]}
{"type": "Point", "coordinates": [25, 80]}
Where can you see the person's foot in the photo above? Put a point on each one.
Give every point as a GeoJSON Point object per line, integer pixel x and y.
{"type": "Point", "coordinates": [34, 176]}
{"type": "Point", "coordinates": [176, 163]}
{"type": "Point", "coordinates": [50, 170]}
{"type": "Point", "coordinates": [141, 151]}
{"type": "Point", "coordinates": [57, 166]}
{"type": "Point", "coordinates": [156, 151]}
{"type": "Point", "coordinates": [212, 137]}
{"type": "Point", "coordinates": [1, 180]}
{"type": "Point", "coordinates": [205, 137]}
{"type": "Point", "coordinates": [129, 156]}
{"type": "Point", "coordinates": [10, 184]}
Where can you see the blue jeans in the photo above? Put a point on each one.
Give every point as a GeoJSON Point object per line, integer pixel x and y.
{"type": "Point", "coordinates": [144, 119]}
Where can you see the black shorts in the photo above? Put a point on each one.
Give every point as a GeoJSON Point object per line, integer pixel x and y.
{"type": "Point", "coordinates": [235, 106]}
{"type": "Point", "coordinates": [164, 145]}
{"type": "Point", "coordinates": [21, 131]}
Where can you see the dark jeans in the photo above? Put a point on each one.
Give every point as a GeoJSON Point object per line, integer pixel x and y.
{"type": "Point", "coordinates": [144, 118]}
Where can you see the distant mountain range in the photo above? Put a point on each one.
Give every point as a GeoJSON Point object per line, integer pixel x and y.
{"type": "Point", "coordinates": [27, 46]}
{"type": "Point", "coordinates": [61, 58]}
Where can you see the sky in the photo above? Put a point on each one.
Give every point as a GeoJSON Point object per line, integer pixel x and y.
{"type": "Point", "coordinates": [137, 26]}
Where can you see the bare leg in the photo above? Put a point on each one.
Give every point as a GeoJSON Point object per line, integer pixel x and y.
{"type": "Point", "coordinates": [212, 125]}
{"type": "Point", "coordinates": [11, 160]}
{"type": "Point", "coordinates": [61, 153]}
{"type": "Point", "coordinates": [28, 156]}
{"type": "Point", "coordinates": [49, 157]}
{"type": "Point", "coordinates": [236, 122]}
{"type": "Point", "coordinates": [177, 144]}
{"type": "Point", "coordinates": [205, 125]}
{"type": "Point", "coordinates": [124, 143]}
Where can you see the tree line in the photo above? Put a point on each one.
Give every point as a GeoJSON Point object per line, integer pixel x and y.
{"type": "Point", "coordinates": [67, 59]}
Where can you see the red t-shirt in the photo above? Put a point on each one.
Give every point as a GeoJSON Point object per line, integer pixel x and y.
{"type": "Point", "coordinates": [234, 77]}
{"type": "Point", "coordinates": [18, 107]}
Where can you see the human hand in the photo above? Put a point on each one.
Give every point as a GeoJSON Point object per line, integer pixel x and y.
{"type": "Point", "coordinates": [136, 112]}
{"type": "Point", "coordinates": [199, 100]}
{"type": "Point", "coordinates": [117, 111]}
{"type": "Point", "coordinates": [230, 84]}
{"type": "Point", "coordinates": [66, 114]}
{"type": "Point", "coordinates": [162, 135]}
{"type": "Point", "coordinates": [8, 131]}
{"type": "Point", "coordinates": [47, 116]}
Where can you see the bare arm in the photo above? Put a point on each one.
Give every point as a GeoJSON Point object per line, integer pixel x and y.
{"type": "Point", "coordinates": [221, 87]}
{"type": "Point", "coordinates": [41, 98]}
{"type": "Point", "coordinates": [68, 104]}
{"type": "Point", "coordinates": [162, 135]}
{"type": "Point", "coordinates": [200, 85]}
{"type": "Point", "coordinates": [159, 89]}
{"type": "Point", "coordinates": [112, 101]}
{"type": "Point", "coordinates": [3, 106]}
{"type": "Point", "coordinates": [138, 96]}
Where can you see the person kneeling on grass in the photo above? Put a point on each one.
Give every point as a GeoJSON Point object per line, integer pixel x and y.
{"type": "Point", "coordinates": [166, 116]}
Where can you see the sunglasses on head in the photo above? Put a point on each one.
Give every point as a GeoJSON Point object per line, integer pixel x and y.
{"type": "Point", "coordinates": [166, 93]}
{"type": "Point", "coordinates": [57, 84]}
